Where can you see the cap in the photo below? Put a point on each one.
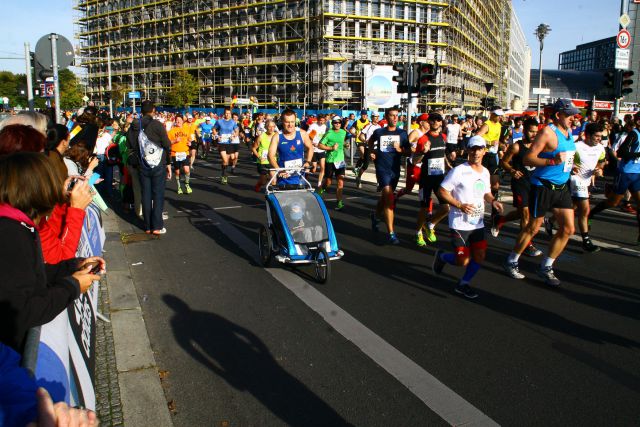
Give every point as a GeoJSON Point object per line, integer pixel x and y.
{"type": "Point", "coordinates": [423, 117]}
{"type": "Point", "coordinates": [435, 117]}
{"type": "Point", "coordinates": [207, 118]}
{"type": "Point", "coordinates": [476, 141]}
{"type": "Point", "coordinates": [364, 112]}
{"type": "Point", "coordinates": [498, 112]}
{"type": "Point", "coordinates": [564, 105]}
{"type": "Point", "coordinates": [375, 114]}
{"type": "Point", "coordinates": [189, 116]}
{"type": "Point", "coordinates": [382, 122]}
{"type": "Point", "coordinates": [337, 119]}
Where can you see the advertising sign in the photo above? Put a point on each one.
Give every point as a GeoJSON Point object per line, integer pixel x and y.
{"type": "Point", "coordinates": [380, 90]}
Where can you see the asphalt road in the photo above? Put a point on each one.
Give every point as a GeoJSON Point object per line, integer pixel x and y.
{"type": "Point", "coordinates": [240, 348]}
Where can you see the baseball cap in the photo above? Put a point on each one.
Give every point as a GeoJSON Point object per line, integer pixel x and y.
{"type": "Point", "coordinates": [564, 105]}
{"type": "Point", "coordinates": [337, 119]}
{"type": "Point", "coordinates": [436, 117]}
{"type": "Point", "coordinates": [364, 112]}
{"type": "Point", "coordinates": [423, 117]}
{"type": "Point", "coordinates": [476, 141]}
{"type": "Point", "coordinates": [189, 116]}
{"type": "Point", "coordinates": [206, 119]}
{"type": "Point", "coordinates": [375, 114]}
{"type": "Point", "coordinates": [498, 112]}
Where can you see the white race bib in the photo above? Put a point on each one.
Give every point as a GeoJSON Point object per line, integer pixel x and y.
{"type": "Point", "coordinates": [579, 187]}
{"type": "Point", "coordinates": [265, 155]}
{"type": "Point", "coordinates": [435, 166]}
{"type": "Point", "coordinates": [387, 141]}
{"type": "Point", "coordinates": [339, 165]}
{"type": "Point", "coordinates": [224, 138]}
{"type": "Point", "coordinates": [181, 156]}
{"type": "Point", "coordinates": [296, 163]}
{"type": "Point", "coordinates": [568, 161]}
{"type": "Point", "coordinates": [235, 140]}
{"type": "Point", "coordinates": [475, 217]}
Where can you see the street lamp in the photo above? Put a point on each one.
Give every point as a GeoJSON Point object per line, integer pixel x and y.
{"type": "Point", "coordinates": [541, 32]}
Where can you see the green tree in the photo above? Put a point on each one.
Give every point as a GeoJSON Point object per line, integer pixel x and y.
{"type": "Point", "coordinates": [71, 91]}
{"type": "Point", "coordinates": [118, 92]}
{"type": "Point", "coordinates": [184, 90]}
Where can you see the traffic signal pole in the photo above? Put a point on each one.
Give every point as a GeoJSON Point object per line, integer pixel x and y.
{"type": "Point", "coordinates": [411, 84]}
{"type": "Point", "coordinates": [27, 60]}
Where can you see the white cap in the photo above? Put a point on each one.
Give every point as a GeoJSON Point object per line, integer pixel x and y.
{"type": "Point", "coordinates": [476, 141]}
{"type": "Point", "coordinates": [498, 112]}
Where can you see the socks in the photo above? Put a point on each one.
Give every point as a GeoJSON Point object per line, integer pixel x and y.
{"type": "Point", "coordinates": [472, 268]}
{"type": "Point", "coordinates": [178, 180]}
{"type": "Point", "coordinates": [449, 258]}
{"type": "Point", "coordinates": [187, 177]}
{"type": "Point", "coordinates": [513, 257]}
{"type": "Point", "coordinates": [431, 226]}
{"type": "Point", "coordinates": [547, 262]}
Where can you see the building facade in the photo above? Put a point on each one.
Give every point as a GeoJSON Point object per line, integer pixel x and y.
{"type": "Point", "coordinates": [519, 67]}
{"type": "Point", "coordinates": [598, 55]}
{"type": "Point", "coordinates": [300, 53]}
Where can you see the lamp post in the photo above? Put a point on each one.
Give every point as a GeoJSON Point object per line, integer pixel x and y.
{"type": "Point", "coordinates": [541, 32]}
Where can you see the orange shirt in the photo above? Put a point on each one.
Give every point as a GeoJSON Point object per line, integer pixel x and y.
{"type": "Point", "coordinates": [181, 134]}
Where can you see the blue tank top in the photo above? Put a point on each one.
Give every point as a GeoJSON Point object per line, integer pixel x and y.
{"type": "Point", "coordinates": [516, 135]}
{"type": "Point", "coordinates": [290, 154]}
{"type": "Point", "coordinates": [633, 166]}
{"type": "Point", "coordinates": [556, 174]}
{"type": "Point", "coordinates": [205, 130]}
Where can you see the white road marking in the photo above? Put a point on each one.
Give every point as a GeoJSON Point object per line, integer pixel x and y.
{"type": "Point", "coordinates": [450, 406]}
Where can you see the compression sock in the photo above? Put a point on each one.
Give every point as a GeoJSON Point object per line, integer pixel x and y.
{"type": "Point", "coordinates": [187, 178]}
{"type": "Point", "coordinates": [472, 268]}
{"type": "Point", "coordinates": [431, 226]}
{"type": "Point", "coordinates": [178, 180]}
{"type": "Point", "coordinates": [449, 258]}
{"type": "Point", "coordinates": [513, 257]}
{"type": "Point", "coordinates": [547, 262]}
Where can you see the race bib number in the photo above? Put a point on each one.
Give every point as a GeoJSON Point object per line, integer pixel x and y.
{"type": "Point", "coordinates": [264, 155]}
{"type": "Point", "coordinates": [568, 161]}
{"type": "Point", "coordinates": [387, 141]}
{"type": "Point", "coordinates": [579, 187]}
{"type": "Point", "coordinates": [225, 138]}
{"type": "Point", "coordinates": [339, 165]}
{"type": "Point", "coordinates": [435, 166]}
{"type": "Point", "coordinates": [296, 163]}
{"type": "Point", "coordinates": [181, 156]}
{"type": "Point", "coordinates": [206, 136]}
{"type": "Point", "coordinates": [475, 217]}
{"type": "Point", "coordinates": [235, 140]}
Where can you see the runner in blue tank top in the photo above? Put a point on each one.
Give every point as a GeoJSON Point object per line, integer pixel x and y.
{"type": "Point", "coordinates": [290, 149]}
{"type": "Point", "coordinates": [552, 154]}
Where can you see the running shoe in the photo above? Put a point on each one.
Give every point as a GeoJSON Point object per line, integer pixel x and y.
{"type": "Point", "coordinates": [393, 239]}
{"type": "Point", "coordinates": [188, 188]}
{"type": "Point", "coordinates": [179, 190]}
{"type": "Point", "coordinates": [588, 246]}
{"type": "Point", "coordinates": [438, 263]}
{"type": "Point", "coordinates": [224, 180]}
{"type": "Point", "coordinates": [532, 251]}
{"type": "Point", "coordinates": [513, 270]}
{"type": "Point", "coordinates": [547, 274]}
{"type": "Point", "coordinates": [340, 205]}
{"type": "Point", "coordinates": [358, 182]}
{"type": "Point", "coordinates": [431, 235]}
{"type": "Point", "coordinates": [356, 170]}
{"type": "Point", "coordinates": [495, 225]}
{"type": "Point", "coordinates": [374, 222]}
{"type": "Point", "coordinates": [628, 208]}
{"type": "Point", "coordinates": [158, 232]}
{"type": "Point", "coordinates": [466, 291]}
{"type": "Point", "coordinates": [420, 240]}
{"type": "Point", "coordinates": [548, 226]}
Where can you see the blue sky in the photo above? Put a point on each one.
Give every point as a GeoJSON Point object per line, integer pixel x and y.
{"type": "Point", "coordinates": [575, 22]}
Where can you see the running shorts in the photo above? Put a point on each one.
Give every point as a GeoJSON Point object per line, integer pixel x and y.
{"type": "Point", "coordinates": [317, 156]}
{"type": "Point", "coordinates": [429, 184]}
{"type": "Point", "coordinates": [332, 170]}
{"type": "Point", "coordinates": [490, 161]}
{"type": "Point", "coordinates": [229, 148]}
{"type": "Point", "coordinates": [263, 169]}
{"type": "Point", "coordinates": [387, 178]}
{"type": "Point", "coordinates": [542, 199]}
{"type": "Point", "coordinates": [468, 238]}
{"type": "Point", "coordinates": [520, 189]}
{"type": "Point", "coordinates": [627, 181]}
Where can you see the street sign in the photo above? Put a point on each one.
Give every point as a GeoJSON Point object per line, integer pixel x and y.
{"type": "Point", "coordinates": [624, 20]}
{"type": "Point", "coordinates": [541, 91]}
{"type": "Point", "coordinates": [85, 98]}
{"type": "Point", "coordinates": [622, 59]}
{"type": "Point", "coordinates": [65, 54]}
{"type": "Point", "coordinates": [623, 39]}
{"type": "Point", "coordinates": [134, 95]}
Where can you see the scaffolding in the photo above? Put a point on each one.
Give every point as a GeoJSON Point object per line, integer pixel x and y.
{"type": "Point", "coordinates": [300, 53]}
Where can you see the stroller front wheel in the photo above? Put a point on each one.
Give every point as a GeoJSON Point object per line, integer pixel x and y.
{"type": "Point", "coordinates": [322, 266]}
{"type": "Point", "coordinates": [265, 240]}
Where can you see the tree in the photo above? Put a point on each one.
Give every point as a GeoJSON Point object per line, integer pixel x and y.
{"type": "Point", "coordinates": [118, 92]}
{"type": "Point", "coordinates": [184, 90]}
{"type": "Point", "coordinates": [70, 90]}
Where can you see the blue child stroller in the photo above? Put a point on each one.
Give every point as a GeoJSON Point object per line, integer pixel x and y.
{"type": "Point", "coordinates": [298, 229]}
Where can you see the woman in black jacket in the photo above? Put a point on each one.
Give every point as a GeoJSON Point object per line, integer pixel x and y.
{"type": "Point", "coordinates": [33, 293]}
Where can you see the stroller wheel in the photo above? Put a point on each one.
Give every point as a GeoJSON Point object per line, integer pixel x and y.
{"type": "Point", "coordinates": [265, 245]}
{"type": "Point", "coordinates": [322, 266]}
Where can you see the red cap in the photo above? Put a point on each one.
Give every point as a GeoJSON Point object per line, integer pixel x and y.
{"type": "Point", "coordinates": [382, 122]}
{"type": "Point", "coordinates": [423, 118]}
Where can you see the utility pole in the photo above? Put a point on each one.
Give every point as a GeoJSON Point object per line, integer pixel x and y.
{"type": "Point", "coordinates": [27, 60]}
{"type": "Point", "coordinates": [110, 88]}
{"type": "Point", "coordinates": [56, 80]}
{"type": "Point", "coordinates": [541, 32]}
{"type": "Point", "coordinates": [133, 80]}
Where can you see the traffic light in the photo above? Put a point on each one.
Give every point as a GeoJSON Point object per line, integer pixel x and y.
{"type": "Point", "coordinates": [402, 77]}
{"type": "Point", "coordinates": [625, 83]}
{"type": "Point", "coordinates": [426, 78]}
{"type": "Point", "coordinates": [610, 79]}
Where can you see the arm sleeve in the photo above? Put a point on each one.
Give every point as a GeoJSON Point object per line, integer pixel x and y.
{"type": "Point", "coordinates": [60, 234]}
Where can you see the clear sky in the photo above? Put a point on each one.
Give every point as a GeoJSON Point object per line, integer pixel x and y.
{"type": "Point", "coordinates": [572, 23]}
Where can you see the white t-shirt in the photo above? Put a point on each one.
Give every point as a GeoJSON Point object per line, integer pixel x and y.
{"type": "Point", "coordinates": [469, 187]}
{"type": "Point", "coordinates": [453, 132]}
{"type": "Point", "coordinates": [316, 132]}
{"type": "Point", "coordinates": [103, 142]}
{"type": "Point", "coordinates": [368, 130]}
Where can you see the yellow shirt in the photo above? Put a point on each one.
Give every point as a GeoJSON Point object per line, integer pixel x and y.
{"type": "Point", "coordinates": [179, 137]}
{"type": "Point", "coordinates": [494, 131]}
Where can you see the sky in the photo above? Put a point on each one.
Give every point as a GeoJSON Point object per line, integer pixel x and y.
{"type": "Point", "coordinates": [575, 22]}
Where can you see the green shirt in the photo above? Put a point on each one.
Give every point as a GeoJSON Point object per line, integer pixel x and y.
{"type": "Point", "coordinates": [332, 138]}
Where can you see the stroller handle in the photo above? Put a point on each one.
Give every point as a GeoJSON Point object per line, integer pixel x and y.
{"type": "Point", "coordinates": [269, 188]}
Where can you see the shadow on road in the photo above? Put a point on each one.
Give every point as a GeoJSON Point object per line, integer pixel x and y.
{"type": "Point", "coordinates": [245, 363]}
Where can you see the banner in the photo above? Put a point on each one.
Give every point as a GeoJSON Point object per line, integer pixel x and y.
{"type": "Point", "coordinates": [66, 353]}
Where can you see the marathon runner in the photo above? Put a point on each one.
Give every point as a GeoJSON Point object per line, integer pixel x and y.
{"type": "Point", "coordinates": [191, 128]}
{"type": "Point", "coordinates": [363, 138]}
{"type": "Point", "coordinates": [225, 130]}
{"type": "Point", "coordinates": [260, 150]}
{"type": "Point", "coordinates": [316, 132]}
{"type": "Point", "coordinates": [333, 143]}
{"type": "Point", "coordinates": [552, 154]}
{"type": "Point", "coordinates": [491, 131]}
{"type": "Point", "coordinates": [466, 188]}
{"type": "Point", "coordinates": [414, 162]}
{"type": "Point", "coordinates": [386, 147]}
{"type": "Point", "coordinates": [513, 162]}
{"type": "Point", "coordinates": [179, 136]}
{"type": "Point", "coordinates": [206, 135]}
{"type": "Point", "coordinates": [453, 135]}
{"type": "Point", "coordinates": [287, 149]}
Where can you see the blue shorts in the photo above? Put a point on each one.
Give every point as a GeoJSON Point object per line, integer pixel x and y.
{"type": "Point", "coordinates": [627, 181]}
{"type": "Point", "coordinates": [387, 178]}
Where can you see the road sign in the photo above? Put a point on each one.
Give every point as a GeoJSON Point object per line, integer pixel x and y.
{"type": "Point", "coordinates": [623, 39]}
{"type": "Point", "coordinates": [134, 95]}
{"type": "Point", "coordinates": [622, 59]}
{"type": "Point", "coordinates": [541, 91]}
{"type": "Point", "coordinates": [85, 98]}
{"type": "Point", "coordinates": [64, 50]}
{"type": "Point", "coordinates": [624, 20]}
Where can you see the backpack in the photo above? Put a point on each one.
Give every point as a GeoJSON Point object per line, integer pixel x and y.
{"type": "Point", "coordinates": [150, 152]}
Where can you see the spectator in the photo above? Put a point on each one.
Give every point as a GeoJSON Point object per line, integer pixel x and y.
{"type": "Point", "coordinates": [80, 160]}
{"type": "Point", "coordinates": [85, 128]}
{"type": "Point", "coordinates": [152, 178]}
{"type": "Point", "coordinates": [32, 292]}
{"type": "Point", "coordinates": [37, 121]}
{"type": "Point", "coordinates": [18, 137]}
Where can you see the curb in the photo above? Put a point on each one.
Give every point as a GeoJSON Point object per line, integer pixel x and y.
{"type": "Point", "coordinates": [143, 399]}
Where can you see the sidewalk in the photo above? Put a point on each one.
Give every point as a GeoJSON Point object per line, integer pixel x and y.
{"type": "Point", "coordinates": [128, 386]}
